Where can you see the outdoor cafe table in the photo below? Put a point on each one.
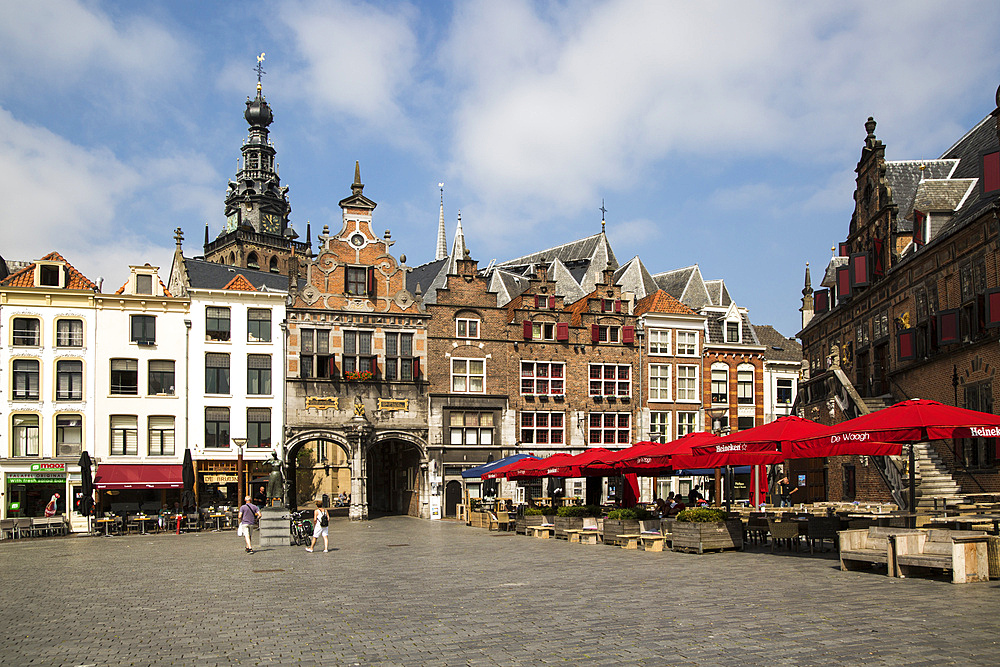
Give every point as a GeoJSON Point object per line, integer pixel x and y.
{"type": "Point", "coordinates": [218, 516]}
{"type": "Point", "coordinates": [143, 520]}
{"type": "Point", "coordinates": [107, 522]}
{"type": "Point", "coordinates": [966, 521]}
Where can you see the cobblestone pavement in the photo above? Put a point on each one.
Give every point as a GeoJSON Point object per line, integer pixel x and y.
{"type": "Point", "coordinates": [401, 591]}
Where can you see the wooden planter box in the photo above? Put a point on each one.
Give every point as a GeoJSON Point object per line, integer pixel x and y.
{"type": "Point", "coordinates": [522, 523]}
{"type": "Point", "coordinates": [479, 519]}
{"type": "Point", "coordinates": [702, 537]}
{"type": "Point", "coordinates": [615, 527]}
{"type": "Point", "coordinates": [564, 523]}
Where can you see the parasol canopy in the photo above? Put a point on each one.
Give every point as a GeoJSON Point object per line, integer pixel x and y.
{"type": "Point", "coordinates": [575, 466]}
{"type": "Point", "coordinates": [527, 469]}
{"type": "Point", "coordinates": [86, 484]}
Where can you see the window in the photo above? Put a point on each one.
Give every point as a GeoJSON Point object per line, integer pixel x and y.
{"type": "Point", "coordinates": [69, 333]}
{"type": "Point", "coordinates": [399, 356]}
{"type": "Point", "coordinates": [314, 356]}
{"type": "Point", "coordinates": [470, 428]}
{"type": "Point", "coordinates": [732, 332]}
{"type": "Point", "coordinates": [357, 280]}
{"type": "Point", "coordinates": [606, 334]}
{"type": "Point", "coordinates": [217, 428]}
{"type": "Point", "coordinates": [720, 386]}
{"type": "Point", "coordinates": [468, 375]}
{"type": "Point", "coordinates": [977, 452]}
{"type": "Point", "coordinates": [216, 323]}
{"type": "Point", "coordinates": [542, 428]}
{"type": "Point", "coordinates": [143, 329]}
{"type": "Point", "coordinates": [259, 374]}
{"type": "Point", "coordinates": [744, 386]}
{"type": "Point", "coordinates": [49, 275]}
{"type": "Point", "coordinates": [543, 331]}
{"type": "Point", "coordinates": [744, 423]}
{"type": "Point", "coordinates": [27, 332]}
{"type": "Point", "coordinates": [258, 325]}
{"type": "Point", "coordinates": [610, 428]}
{"type": "Point", "coordinates": [783, 392]}
{"type": "Point", "coordinates": [358, 352]}
{"type": "Point", "coordinates": [466, 328]}
{"type": "Point", "coordinates": [161, 378]}
{"type": "Point", "coordinates": [124, 435]}
{"type": "Point", "coordinates": [687, 343]}
{"type": "Point", "coordinates": [610, 380]}
{"type": "Point", "coordinates": [686, 422]}
{"type": "Point", "coordinates": [253, 262]}
{"type": "Point", "coordinates": [25, 379]}
{"type": "Point", "coordinates": [69, 435]}
{"type": "Point", "coordinates": [258, 427]}
{"type": "Point", "coordinates": [687, 383]}
{"type": "Point", "coordinates": [24, 439]}
{"type": "Point", "coordinates": [161, 436]}
{"type": "Point", "coordinates": [659, 426]}
{"type": "Point", "coordinates": [542, 378]}
{"type": "Point", "coordinates": [143, 283]}
{"type": "Point", "coordinates": [659, 382]}
{"type": "Point", "coordinates": [216, 373]}
{"type": "Point", "coordinates": [69, 380]}
{"type": "Point", "coordinates": [659, 341]}
{"type": "Point", "coordinates": [273, 265]}
{"type": "Point", "coordinates": [124, 377]}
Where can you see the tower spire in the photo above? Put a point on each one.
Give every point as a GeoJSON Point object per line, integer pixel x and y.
{"type": "Point", "coordinates": [604, 212]}
{"type": "Point", "coordinates": [442, 244]}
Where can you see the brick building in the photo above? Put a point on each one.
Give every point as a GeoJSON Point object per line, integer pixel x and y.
{"type": "Point", "coordinates": [909, 308]}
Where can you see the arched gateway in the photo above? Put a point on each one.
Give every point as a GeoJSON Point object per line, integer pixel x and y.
{"type": "Point", "coordinates": [382, 472]}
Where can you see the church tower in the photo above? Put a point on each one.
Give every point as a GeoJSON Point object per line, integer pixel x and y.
{"type": "Point", "coordinates": [257, 233]}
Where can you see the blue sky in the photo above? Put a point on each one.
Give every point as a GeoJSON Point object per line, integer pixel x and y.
{"type": "Point", "coordinates": [722, 134]}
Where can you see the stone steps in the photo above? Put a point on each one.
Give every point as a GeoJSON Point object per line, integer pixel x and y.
{"type": "Point", "coordinates": [934, 480]}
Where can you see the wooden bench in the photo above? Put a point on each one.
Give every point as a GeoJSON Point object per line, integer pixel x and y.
{"type": "Point", "coordinates": [582, 535]}
{"type": "Point", "coordinates": [629, 540]}
{"type": "Point", "coordinates": [964, 552]}
{"type": "Point", "coordinates": [544, 531]}
{"type": "Point", "coordinates": [653, 541]}
{"type": "Point", "coordinates": [861, 548]}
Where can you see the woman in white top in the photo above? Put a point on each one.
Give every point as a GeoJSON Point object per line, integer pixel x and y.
{"type": "Point", "coordinates": [321, 526]}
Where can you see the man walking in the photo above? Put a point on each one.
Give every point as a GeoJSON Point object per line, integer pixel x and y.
{"type": "Point", "coordinates": [249, 513]}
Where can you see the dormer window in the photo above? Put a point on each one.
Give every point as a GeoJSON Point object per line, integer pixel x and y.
{"type": "Point", "coordinates": [143, 283]}
{"type": "Point", "coordinates": [732, 332]}
{"type": "Point", "coordinates": [48, 275]}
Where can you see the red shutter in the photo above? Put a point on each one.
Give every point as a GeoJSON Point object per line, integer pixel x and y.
{"type": "Point", "coordinates": [562, 331]}
{"type": "Point", "coordinates": [371, 282]}
{"type": "Point", "coordinates": [948, 327]}
{"type": "Point", "coordinates": [993, 308]}
{"type": "Point", "coordinates": [526, 329]}
{"type": "Point", "coordinates": [843, 283]}
{"type": "Point", "coordinates": [991, 172]}
{"type": "Point", "coordinates": [618, 305]}
{"type": "Point", "coordinates": [333, 366]}
{"type": "Point", "coordinates": [536, 301]}
{"type": "Point", "coordinates": [416, 368]}
{"type": "Point", "coordinates": [844, 250]}
{"type": "Point", "coordinates": [919, 219]}
{"type": "Point", "coordinates": [878, 266]}
{"type": "Point", "coordinates": [604, 305]}
{"type": "Point", "coordinates": [595, 333]}
{"type": "Point", "coordinates": [859, 269]}
{"type": "Point", "coordinates": [906, 344]}
{"type": "Point", "coordinates": [628, 334]}
{"type": "Point", "coordinates": [552, 302]}
{"type": "Point", "coordinates": [821, 301]}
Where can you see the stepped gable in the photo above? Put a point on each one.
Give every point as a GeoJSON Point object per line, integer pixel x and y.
{"type": "Point", "coordinates": [633, 277]}
{"type": "Point", "coordinates": [166, 292]}
{"type": "Point", "coordinates": [661, 302]}
{"type": "Point", "coordinates": [209, 275]}
{"type": "Point", "coordinates": [25, 277]}
{"type": "Point", "coordinates": [580, 307]}
{"type": "Point", "coordinates": [777, 346]}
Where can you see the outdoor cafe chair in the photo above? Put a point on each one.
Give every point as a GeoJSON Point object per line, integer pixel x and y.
{"type": "Point", "coordinates": [7, 529]}
{"type": "Point", "coordinates": [757, 529]}
{"type": "Point", "coordinates": [821, 528]}
{"type": "Point", "coordinates": [23, 526]}
{"type": "Point", "coordinates": [501, 520]}
{"type": "Point", "coordinates": [192, 522]}
{"type": "Point", "coordinates": [785, 531]}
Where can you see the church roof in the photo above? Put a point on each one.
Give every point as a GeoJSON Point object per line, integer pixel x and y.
{"type": "Point", "coordinates": [583, 251]}
{"type": "Point", "coordinates": [25, 277]}
{"type": "Point", "coordinates": [430, 277]}
{"type": "Point", "coordinates": [633, 277]}
{"type": "Point", "coordinates": [686, 285]}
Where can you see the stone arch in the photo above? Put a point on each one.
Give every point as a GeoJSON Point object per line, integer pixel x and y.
{"type": "Point", "coordinates": [396, 479]}
{"type": "Point", "coordinates": [252, 261]}
{"type": "Point", "coordinates": [294, 446]}
{"type": "Point", "coordinates": [273, 265]}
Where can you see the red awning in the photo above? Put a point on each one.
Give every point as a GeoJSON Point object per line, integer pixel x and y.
{"type": "Point", "coordinates": [138, 476]}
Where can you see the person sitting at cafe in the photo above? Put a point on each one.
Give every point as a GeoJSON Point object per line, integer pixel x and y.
{"type": "Point", "coordinates": [676, 506]}
{"type": "Point", "coordinates": [661, 506]}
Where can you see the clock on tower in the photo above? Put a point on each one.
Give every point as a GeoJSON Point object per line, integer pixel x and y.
{"type": "Point", "coordinates": [270, 224]}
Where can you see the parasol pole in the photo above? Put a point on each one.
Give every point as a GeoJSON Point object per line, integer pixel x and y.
{"type": "Point", "coordinates": [912, 522]}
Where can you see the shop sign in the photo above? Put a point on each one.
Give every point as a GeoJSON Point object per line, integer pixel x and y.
{"type": "Point", "coordinates": [402, 404]}
{"type": "Point", "coordinates": [48, 467]}
{"type": "Point", "coordinates": [220, 479]}
{"type": "Point", "coordinates": [35, 478]}
{"type": "Point", "coordinates": [323, 402]}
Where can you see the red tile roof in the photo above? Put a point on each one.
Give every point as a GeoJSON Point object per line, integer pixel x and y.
{"type": "Point", "coordinates": [26, 276]}
{"type": "Point", "coordinates": [661, 302]}
{"type": "Point", "coordinates": [240, 284]}
{"type": "Point", "coordinates": [166, 292]}
{"type": "Point", "coordinates": [578, 308]}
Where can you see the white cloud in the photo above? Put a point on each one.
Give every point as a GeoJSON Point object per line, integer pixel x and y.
{"type": "Point", "coordinates": [359, 58]}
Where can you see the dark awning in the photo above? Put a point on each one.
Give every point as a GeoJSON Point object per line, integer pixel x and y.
{"type": "Point", "coordinates": [139, 476]}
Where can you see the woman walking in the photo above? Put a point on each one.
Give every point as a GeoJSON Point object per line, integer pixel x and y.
{"type": "Point", "coordinates": [321, 523]}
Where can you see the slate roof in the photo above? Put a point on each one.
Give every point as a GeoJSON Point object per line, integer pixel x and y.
{"type": "Point", "coordinates": [633, 277]}
{"type": "Point", "coordinates": [661, 302]}
{"type": "Point", "coordinates": [209, 275]}
{"type": "Point", "coordinates": [942, 195]}
{"type": "Point", "coordinates": [980, 139]}
{"type": "Point", "coordinates": [903, 178]}
{"type": "Point", "coordinates": [25, 277]}
{"type": "Point", "coordinates": [716, 335]}
{"type": "Point", "coordinates": [430, 277]}
{"type": "Point", "coordinates": [686, 285]}
{"type": "Point", "coordinates": [506, 286]}
{"type": "Point", "coordinates": [776, 346]}
{"type": "Point", "coordinates": [569, 253]}
{"type": "Point", "coordinates": [718, 292]}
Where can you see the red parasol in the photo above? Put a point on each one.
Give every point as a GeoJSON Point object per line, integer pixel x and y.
{"type": "Point", "coordinates": [501, 472]}
{"type": "Point", "coordinates": [658, 457]}
{"type": "Point", "coordinates": [607, 464]}
{"type": "Point", "coordinates": [771, 437]}
{"type": "Point", "coordinates": [574, 466]}
{"type": "Point", "coordinates": [913, 420]}
{"type": "Point", "coordinates": [527, 468]}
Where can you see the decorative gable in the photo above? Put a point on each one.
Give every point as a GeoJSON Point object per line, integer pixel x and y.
{"type": "Point", "coordinates": [240, 284]}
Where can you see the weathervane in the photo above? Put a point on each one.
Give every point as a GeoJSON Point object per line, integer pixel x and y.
{"type": "Point", "coordinates": [603, 213]}
{"type": "Point", "coordinates": [260, 69]}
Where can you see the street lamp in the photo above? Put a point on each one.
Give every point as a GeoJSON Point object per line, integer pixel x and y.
{"type": "Point", "coordinates": [716, 416]}
{"type": "Point", "coordinates": [240, 486]}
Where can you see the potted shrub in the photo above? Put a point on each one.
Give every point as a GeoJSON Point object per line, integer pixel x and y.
{"type": "Point", "coordinates": [571, 517]}
{"type": "Point", "coordinates": [623, 522]}
{"type": "Point", "coordinates": [534, 516]}
{"type": "Point", "coordinates": [698, 530]}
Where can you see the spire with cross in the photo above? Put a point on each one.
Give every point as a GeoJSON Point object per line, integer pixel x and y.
{"type": "Point", "coordinates": [260, 69]}
{"type": "Point", "coordinates": [603, 213]}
